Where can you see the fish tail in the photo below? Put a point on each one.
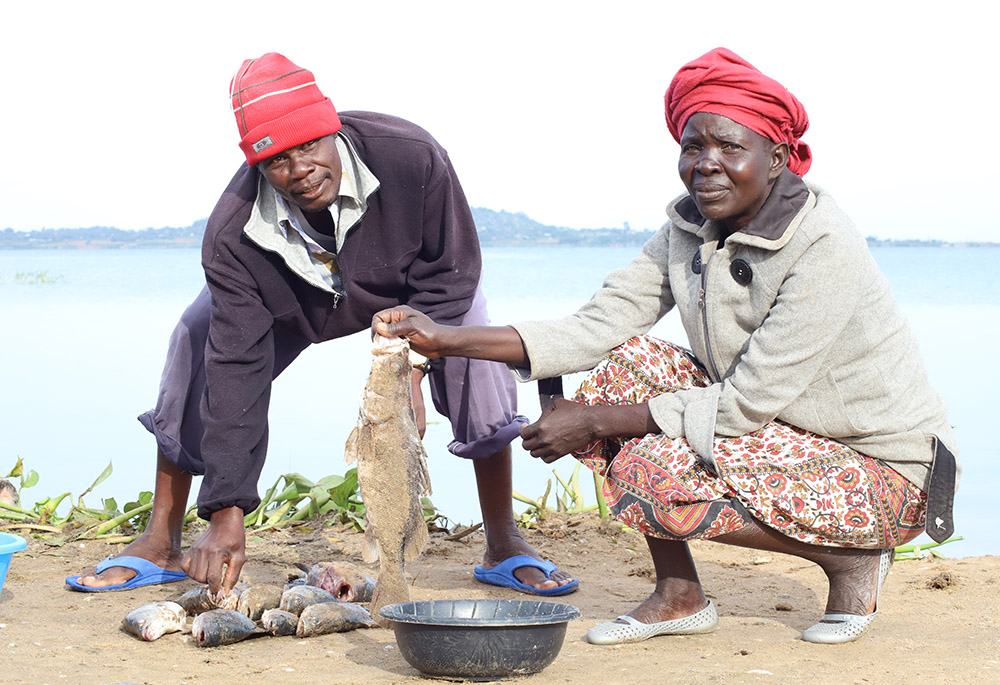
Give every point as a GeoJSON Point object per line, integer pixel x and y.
{"type": "Point", "coordinates": [391, 588]}
{"type": "Point", "coordinates": [423, 475]}
{"type": "Point", "coordinates": [351, 448]}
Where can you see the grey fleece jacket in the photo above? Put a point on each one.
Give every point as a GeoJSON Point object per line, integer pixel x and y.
{"type": "Point", "coordinates": [792, 318]}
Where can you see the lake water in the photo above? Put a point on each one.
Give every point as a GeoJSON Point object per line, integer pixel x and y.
{"type": "Point", "coordinates": [82, 357]}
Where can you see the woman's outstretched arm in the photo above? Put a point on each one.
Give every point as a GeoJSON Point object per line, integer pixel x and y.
{"type": "Point", "coordinates": [433, 340]}
{"type": "Point", "coordinates": [567, 427]}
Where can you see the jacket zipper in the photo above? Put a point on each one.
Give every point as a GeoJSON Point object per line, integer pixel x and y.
{"type": "Point", "coordinates": [702, 305]}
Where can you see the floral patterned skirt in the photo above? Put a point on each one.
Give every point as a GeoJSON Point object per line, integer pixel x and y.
{"type": "Point", "coordinates": [807, 487]}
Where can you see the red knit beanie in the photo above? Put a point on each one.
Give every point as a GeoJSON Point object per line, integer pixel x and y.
{"type": "Point", "coordinates": [278, 106]}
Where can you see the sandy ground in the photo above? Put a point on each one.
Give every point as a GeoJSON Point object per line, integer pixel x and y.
{"type": "Point", "coordinates": [939, 620]}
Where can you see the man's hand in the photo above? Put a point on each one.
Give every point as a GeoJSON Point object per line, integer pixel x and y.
{"type": "Point", "coordinates": [217, 557]}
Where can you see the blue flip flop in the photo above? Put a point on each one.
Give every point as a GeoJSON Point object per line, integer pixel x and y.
{"type": "Point", "coordinates": [503, 575]}
{"type": "Point", "coordinates": [146, 573]}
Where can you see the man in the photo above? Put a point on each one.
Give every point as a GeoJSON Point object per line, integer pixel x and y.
{"type": "Point", "coordinates": [329, 221]}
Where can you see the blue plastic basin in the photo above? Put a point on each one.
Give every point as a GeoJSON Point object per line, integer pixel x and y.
{"type": "Point", "coordinates": [8, 545]}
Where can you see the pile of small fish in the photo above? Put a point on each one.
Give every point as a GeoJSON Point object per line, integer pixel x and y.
{"type": "Point", "coordinates": [323, 600]}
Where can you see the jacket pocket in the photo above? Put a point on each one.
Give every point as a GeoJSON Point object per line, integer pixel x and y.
{"type": "Point", "coordinates": [833, 418]}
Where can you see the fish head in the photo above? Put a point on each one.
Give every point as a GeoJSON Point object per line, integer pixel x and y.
{"type": "Point", "coordinates": [388, 386]}
{"type": "Point", "coordinates": [391, 358]}
{"type": "Point", "coordinates": [343, 580]}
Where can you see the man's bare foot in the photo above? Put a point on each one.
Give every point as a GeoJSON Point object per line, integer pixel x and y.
{"type": "Point", "coordinates": [168, 558]}
{"type": "Point", "coordinates": [513, 545]}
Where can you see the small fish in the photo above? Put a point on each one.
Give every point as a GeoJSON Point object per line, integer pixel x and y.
{"type": "Point", "coordinates": [278, 622]}
{"type": "Point", "coordinates": [332, 617]}
{"type": "Point", "coordinates": [392, 471]}
{"type": "Point", "coordinates": [222, 627]}
{"type": "Point", "coordinates": [298, 597]}
{"type": "Point", "coordinates": [152, 621]}
{"type": "Point", "coordinates": [8, 493]}
{"type": "Point", "coordinates": [255, 600]}
{"type": "Point", "coordinates": [200, 599]}
{"type": "Point", "coordinates": [344, 580]}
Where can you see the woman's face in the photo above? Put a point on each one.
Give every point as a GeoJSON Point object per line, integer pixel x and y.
{"type": "Point", "coordinates": [728, 169]}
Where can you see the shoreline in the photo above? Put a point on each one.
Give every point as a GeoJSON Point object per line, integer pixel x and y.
{"type": "Point", "coordinates": [938, 618]}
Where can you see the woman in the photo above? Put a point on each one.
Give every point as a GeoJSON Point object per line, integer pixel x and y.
{"type": "Point", "coordinates": [802, 421]}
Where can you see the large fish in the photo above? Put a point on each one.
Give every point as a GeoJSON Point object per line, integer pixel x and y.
{"type": "Point", "coordinates": [152, 621]}
{"type": "Point", "coordinates": [200, 599]}
{"type": "Point", "coordinates": [298, 597]}
{"type": "Point", "coordinates": [344, 580]}
{"type": "Point", "coordinates": [255, 600]}
{"type": "Point", "coordinates": [222, 627]}
{"type": "Point", "coordinates": [332, 617]}
{"type": "Point", "coordinates": [392, 471]}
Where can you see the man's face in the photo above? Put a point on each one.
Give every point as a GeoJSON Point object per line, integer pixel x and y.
{"type": "Point", "coordinates": [307, 175]}
{"type": "Point", "coordinates": [727, 168]}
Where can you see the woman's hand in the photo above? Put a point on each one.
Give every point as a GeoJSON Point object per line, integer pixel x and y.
{"type": "Point", "coordinates": [569, 426]}
{"type": "Point", "coordinates": [434, 340]}
{"type": "Point", "coordinates": [560, 430]}
{"type": "Point", "coordinates": [425, 336]}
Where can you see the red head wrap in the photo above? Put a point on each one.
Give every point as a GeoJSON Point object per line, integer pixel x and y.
{"type": "Point", "coordinates": [721, 82]}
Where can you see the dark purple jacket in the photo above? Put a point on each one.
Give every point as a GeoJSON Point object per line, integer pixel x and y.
{"type": "Point", "coordinates": [416, 244]}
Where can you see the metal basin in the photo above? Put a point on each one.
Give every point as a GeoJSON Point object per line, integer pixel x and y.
{"type": "Point", "coordinates": [479, 638]}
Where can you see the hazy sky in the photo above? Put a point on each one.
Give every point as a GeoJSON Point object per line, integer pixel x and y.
{"type": "Point", "coordinates": [116, 114]}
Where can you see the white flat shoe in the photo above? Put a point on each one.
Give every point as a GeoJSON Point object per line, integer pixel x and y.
{"type": "Point", "coordinates": [835, 629]}
{"type": "Point", "coordinates": [612, 633]}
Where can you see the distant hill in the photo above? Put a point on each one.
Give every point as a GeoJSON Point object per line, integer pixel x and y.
{"type": "Point", "coordinates": [102, 237]}
{"type": "Point", "coordinates": [506, 228]}
{"type": "Point", "coordinates": [496, 228]}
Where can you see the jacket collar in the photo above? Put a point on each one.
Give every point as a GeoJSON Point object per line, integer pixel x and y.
{"type": "Point", "coordinates": [268, 225]}
{"type": "Point", "coordinates": [771, 229]}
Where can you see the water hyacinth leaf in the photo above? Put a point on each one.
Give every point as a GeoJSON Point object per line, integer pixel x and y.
{"type": "Point", "coordinates": [100, 479]}
{"type": "Point", "coordinates": [278, 513]}
{"type": "Point", "coordinates": [84, 514]}
{"type": "Point", "coordinates": [430, 511]}
{"type": "Point", "coordinates": [118, 520]}
{"type": "Point", "coordinates": [342, 492]}
{"type": "Point", "coordinates": [329, 482]}
{"type": "Point", "coordinates": [29, 480]}
{"type": "Point", "coordinates": [256, 517]}
{"type": "Point", "coordinates": [49, 504]}
{"type": "Point", "coordinates": [602, 504]}
{"type": "Point", "coordinates": [17, 470]}
{"type": "Point", "coordinates": [300, 481]}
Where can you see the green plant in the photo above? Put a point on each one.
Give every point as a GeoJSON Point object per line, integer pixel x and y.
{"type": "Point", "coordinates": [909, 552]}
{"type": "Point", "coordinates": [292, 500]}
{"type": "Point", "coordinates": [32, 277]}
{"type": "Point", "coordinates": [568, 499]}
